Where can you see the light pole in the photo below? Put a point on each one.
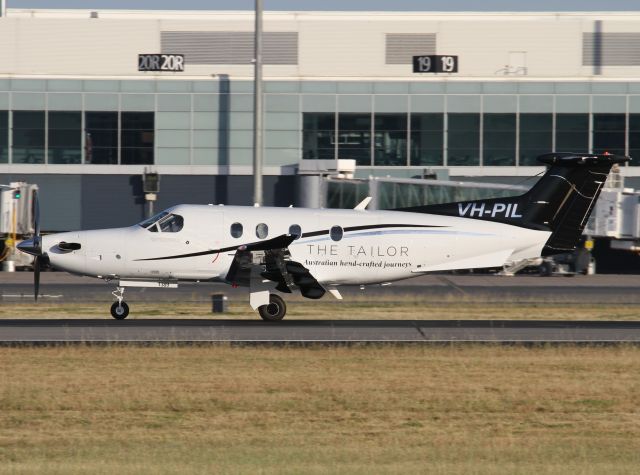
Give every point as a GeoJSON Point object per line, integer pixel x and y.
{"type": "Point", "coordinates": [257, 109]}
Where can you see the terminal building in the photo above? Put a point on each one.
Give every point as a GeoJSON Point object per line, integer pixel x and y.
{"type": "Point", "coordinates": [83, 117]}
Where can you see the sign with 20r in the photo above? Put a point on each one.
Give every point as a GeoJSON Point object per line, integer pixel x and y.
{"type": "Point", "coordinates": [435, 63]}
{"type": "Point", "coordinates": [160, 62]}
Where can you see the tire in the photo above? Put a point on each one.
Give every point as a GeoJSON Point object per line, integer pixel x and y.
{"type": "Point", "coordinates": [545, 269]}
{"type": "Point", "coordinates": [119, 311]}
{"type": "Point", "coordinates": [275, 310]}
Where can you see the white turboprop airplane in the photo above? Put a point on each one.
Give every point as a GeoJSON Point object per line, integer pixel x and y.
{"type": "Point", "coordinates": [317, 250]}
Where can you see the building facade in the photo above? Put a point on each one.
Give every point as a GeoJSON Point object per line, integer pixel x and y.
{"type": "Point", "coordinates": [79, 117]}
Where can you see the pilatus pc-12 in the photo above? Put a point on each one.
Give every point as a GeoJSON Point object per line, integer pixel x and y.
{"type": "Point", "coordinates": [315, 251]}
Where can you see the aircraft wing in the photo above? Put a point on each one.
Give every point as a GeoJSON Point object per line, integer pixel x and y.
{"type": "Point", "coordinates": [271, 260]}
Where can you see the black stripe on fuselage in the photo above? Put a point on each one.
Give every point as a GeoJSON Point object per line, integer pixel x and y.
{"type": "Point", "coordinates": [371, 226]}
{"type": "Point", "coordinates": [304, 235]}
{"type": "Point", "coordinates": [193, 254]}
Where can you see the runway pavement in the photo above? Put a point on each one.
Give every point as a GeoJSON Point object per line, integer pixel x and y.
{"type": "Point", "coordinates": [62, 287]}
{"type": "Point", "coordinates": [91, 331]}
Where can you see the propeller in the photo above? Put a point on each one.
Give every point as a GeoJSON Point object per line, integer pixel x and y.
{"type": "Point", "coordinates": [33, 246]}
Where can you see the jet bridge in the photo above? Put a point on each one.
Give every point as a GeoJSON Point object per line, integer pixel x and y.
{"type": "Point", "coordinates": [16, 222]}
{"type": "Point", "coordinates": [392, 193]}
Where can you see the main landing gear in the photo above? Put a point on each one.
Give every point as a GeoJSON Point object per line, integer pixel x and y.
{"type": "Point", "coordinates": [119, 309]}
{"type": "Point", "coordinates": [274, 311]}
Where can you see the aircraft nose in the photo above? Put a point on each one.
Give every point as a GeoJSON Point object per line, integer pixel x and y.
{"type": "Point", "coordinates": [30, 246]}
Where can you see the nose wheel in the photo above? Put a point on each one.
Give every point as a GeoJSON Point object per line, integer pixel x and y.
{"type": "Point", "coordinates": [275, 310]}
{"type": "Point", "coordinates": [119, 309]}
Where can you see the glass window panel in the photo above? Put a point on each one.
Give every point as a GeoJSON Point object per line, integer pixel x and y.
{"type": "Point", "coordinates": [504, 140]}
{"type": "Point", "coordinates": [614, 122]}
{"type": "Point", "coordinates": [535, 139]}
{"type": "Point", "coordinates": [634, 138]}
{"type": "Point", "coordinates": [427, 139]}
{"type": "Point", "coordinates": [536, 122]}
{"type": "Point", "coordinates": [634, 122]}
{"type": "Point", "coordinates": [65, 139]}
{"type": "Point", "coordinates": [462, 156]}
{"type": "Point", "coordinates": [4, 136]}
{"type": "Point", "coordinates": [390, 122]}
{"type": "Point", "coordinates": [136, 156]}
{"type": "Point", "coordinates": [101, 138]}
{"type": "Point", "coordinates": [609, 133]}
{"type": "Point", "coordinates": [354, 137]}
{"type": "Point", "coordinates": [137, 138]}
{"type": "Point", "coordinates": [62, 155]}
{"type": "Point", "coordinates": [390, 146]}
{"type": "Point", "coordinates": [101, 155]}
{"type": "Point", "coordinates": [65, 120]}
{"type": "Point", "coordinates": [499, 139]}
{"type": "Point", "coordinates": [427, 121]}
{"type": "Point", "coordinates": [463, 139]}
{"type": "Point", "coordinates": [499, 122]}
{"type": "Point", "coordinates": [28, 154]}
{"type": "Point", "coordinates": [572, 122]}
{"type": "Point", "coordinates": [460, 121]}
{"type": "Point", "coordinates": [572, 132]}
{"type": "Point", "coordinates": [137, 120]}
{"type": "Point", "coordinates": [28, 137]}
{"type": "Point", "coordinates": [28, 120]}
{"type": "Point", "coordinates": [352, 121]}
{"type": "Point", "coordinates": [499, 156]}
{"type": "Point", "coordinates": [318, 136]}
{"type": "Point", "coordinates": [101, 120]}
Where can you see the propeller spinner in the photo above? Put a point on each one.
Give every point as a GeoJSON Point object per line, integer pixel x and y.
{"type": "Point", "coordinates": [33, 246]}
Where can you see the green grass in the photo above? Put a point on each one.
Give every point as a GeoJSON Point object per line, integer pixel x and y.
{"type": "Point", "coordinates": [400, 307]}
{"type": "Point", "coordinates": [458, 409]}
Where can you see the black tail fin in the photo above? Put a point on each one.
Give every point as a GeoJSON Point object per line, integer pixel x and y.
{"type": "Point", "coordinates": [560, 202]}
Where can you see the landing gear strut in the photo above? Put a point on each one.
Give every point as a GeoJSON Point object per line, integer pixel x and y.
{"type": "Point", "coordinates": [119, 309]}
{"type": "Point", "coordinates": [274, 311]}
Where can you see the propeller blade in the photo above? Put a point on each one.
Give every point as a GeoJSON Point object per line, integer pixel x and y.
{"type": "Point", "coordinates": [36, 277]}
{"type": "Point", "coordinates": [36, 214]}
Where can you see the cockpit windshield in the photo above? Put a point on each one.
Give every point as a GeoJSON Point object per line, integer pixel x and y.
{"type": "Point", "coordinates": [164, 222]}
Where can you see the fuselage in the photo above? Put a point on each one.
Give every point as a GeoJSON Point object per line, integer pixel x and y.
{"type": "Point", "coordinates": [339, 247]}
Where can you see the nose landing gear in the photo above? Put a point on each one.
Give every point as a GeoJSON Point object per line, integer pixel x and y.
{"type": "Point", "coordinates": [275, 310]}
{"type": "Point", "coordinates": [119, 309]}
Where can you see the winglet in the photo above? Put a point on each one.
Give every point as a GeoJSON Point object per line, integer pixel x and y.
{"type": "Point", "coordinates": [364, 203]}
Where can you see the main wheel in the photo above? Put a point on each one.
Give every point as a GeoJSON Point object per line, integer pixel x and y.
{"type": "Point", "coordinates": [275, 310]}
{"type": "Point", "coordinates": [119, 311]}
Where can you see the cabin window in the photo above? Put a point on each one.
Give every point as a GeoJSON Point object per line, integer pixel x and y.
{"type": "Point", "coordinates": [295, 230]}
{"type": "Point", "coordinates": [336, 233]}
{"type": "Point", "coordinates": [236, 230]}
{"type": "Point", "coordinates": [262, 230]}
